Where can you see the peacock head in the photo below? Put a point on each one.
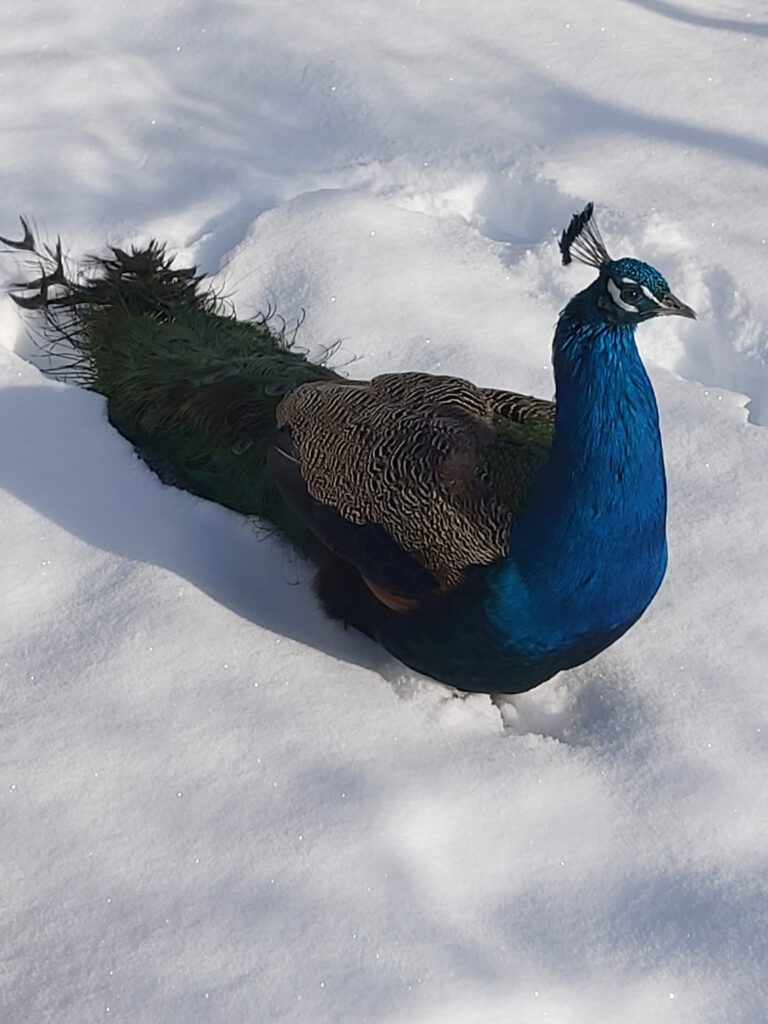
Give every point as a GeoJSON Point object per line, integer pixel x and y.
{"type": "Point", "coordinates": [627, 291]}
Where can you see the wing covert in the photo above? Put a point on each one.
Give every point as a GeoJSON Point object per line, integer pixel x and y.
{"type": "Point", "coordinates": [411, 460]}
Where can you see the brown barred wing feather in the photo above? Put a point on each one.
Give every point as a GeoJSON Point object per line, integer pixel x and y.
{"type": "Point", "coordinates": [520, 408]}
{"type": "Point", "coordinates": [409, 459]}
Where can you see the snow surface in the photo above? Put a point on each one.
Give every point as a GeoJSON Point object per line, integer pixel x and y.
{"type": "Point", "coordinates": [216, 805]}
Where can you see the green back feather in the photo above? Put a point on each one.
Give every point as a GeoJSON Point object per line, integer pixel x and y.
{"type": "Point", "coordinates": [196, 390]}
{"type": "Point", "coordinates": [193, 388]}
{"type": "Point", "coordinates": [513, 460]}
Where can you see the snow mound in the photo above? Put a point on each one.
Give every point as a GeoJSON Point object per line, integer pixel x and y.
{"type": "Point", "coordinates": [217, 805]}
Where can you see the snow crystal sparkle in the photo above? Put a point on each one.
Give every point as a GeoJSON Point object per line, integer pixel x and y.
{"type": "Point", "coordinates": [247, 166]}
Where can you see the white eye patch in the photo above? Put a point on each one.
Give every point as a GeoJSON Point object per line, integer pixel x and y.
{"type": "Point", "coordinates": [649, 295]}
{"type": "Point", "coordinates": [615, 294]}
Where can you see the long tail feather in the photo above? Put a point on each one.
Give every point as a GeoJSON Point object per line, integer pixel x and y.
{"type": "Point", "coordinates": [191, 386]}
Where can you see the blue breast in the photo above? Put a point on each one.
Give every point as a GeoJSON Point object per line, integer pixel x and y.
{"type": "Point", "coordinates": [589, 552]}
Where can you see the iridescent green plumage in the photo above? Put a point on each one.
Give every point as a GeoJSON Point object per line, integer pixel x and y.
{"type": "Point", "coordinates": [515, 458]}
{"type": "Point", "coordinates": [193, 388]}
{"type": "Point", "coordinates": [201, 395]}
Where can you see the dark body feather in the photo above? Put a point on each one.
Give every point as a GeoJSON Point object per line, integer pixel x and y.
{"type": "Point", "coordinates": [436, 511]}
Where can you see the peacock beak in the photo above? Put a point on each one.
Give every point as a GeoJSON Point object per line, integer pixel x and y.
{"type": "Point", "coordinates": [672, 306]}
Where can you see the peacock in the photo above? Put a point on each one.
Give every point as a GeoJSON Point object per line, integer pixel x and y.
{"type": "Point", "coordinates": [485, 538]}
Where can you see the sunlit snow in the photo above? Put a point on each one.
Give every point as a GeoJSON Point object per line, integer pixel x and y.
{"type": "Point", "coordinates": [218, 806]}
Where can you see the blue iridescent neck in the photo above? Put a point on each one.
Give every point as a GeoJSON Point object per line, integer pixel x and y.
{"type": "Point", "coordinates": [589, 553]}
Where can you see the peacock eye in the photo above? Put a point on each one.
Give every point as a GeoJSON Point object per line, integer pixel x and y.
{"type": "Point", "coordinates": [629, 293]}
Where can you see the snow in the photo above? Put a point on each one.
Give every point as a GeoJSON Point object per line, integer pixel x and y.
{"type": "Point", "coordinates": [216, 805]}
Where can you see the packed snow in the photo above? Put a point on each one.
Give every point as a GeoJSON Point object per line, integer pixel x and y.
{"type": "Point", "coordinates": [217, 806]}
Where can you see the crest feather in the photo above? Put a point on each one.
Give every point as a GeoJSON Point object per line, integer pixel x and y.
{"type": "Point", "coordinates": [581, 241]}
{"type": "Point", "coordinates": [28, 241]}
